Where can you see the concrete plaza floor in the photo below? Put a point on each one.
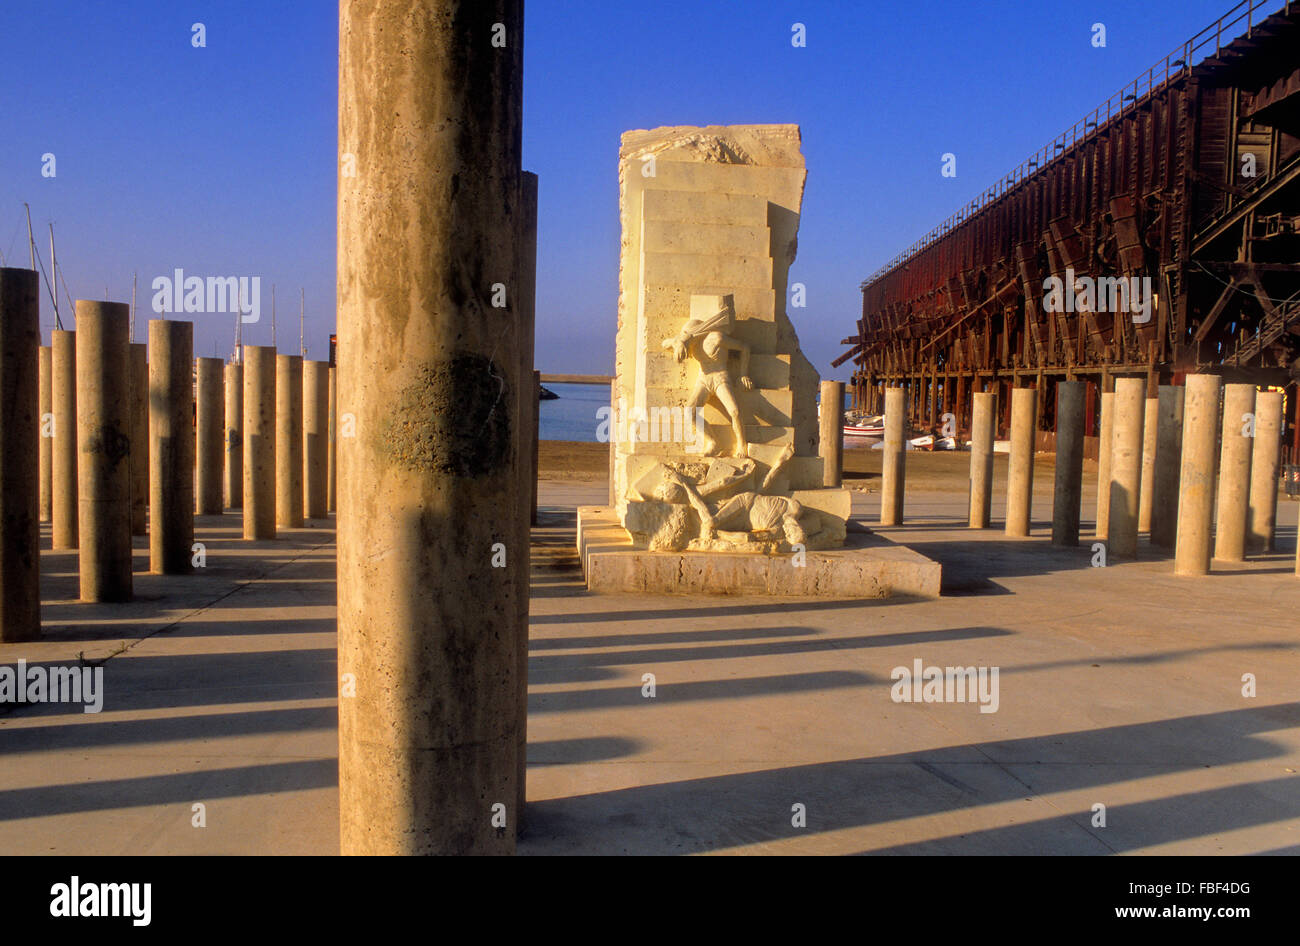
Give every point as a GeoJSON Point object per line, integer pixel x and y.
{"type": "Point", "coordinates": [1119, 686]}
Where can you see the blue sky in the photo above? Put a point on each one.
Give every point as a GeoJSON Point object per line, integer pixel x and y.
{"type": "Point", "coordinates": [222, 160]}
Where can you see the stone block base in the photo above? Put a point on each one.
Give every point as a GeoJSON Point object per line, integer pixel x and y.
{"type": "Point", "coordinates": [867, 567]}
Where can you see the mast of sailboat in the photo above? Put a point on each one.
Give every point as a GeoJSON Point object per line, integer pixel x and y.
{"type": "Point", "coordinates": [238, 356]}
{"type": "Point", "coordinates": [131, 335]}
{"type": "Point", "coordinates": [54, 278]}
{"type": "Point", "coordinates": [272, 315]}
{"type": "Point", "coordinates": [302, 315]}
{"type": "Point", "coordinates": [31, 241]}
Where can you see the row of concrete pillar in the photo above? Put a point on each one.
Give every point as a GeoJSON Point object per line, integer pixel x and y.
{"type": "Point", "coordinates": [106, 429]}
{"type": "Point", "coordinates": [1160, 461]}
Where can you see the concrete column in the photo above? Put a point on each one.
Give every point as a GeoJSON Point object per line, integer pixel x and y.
{"type": "Point", "coordinates": [893, 469]}
{"type": "Point", "coordinates": [1067, 496]}
{"type": "Point", "coordinates": [63, 454]}
{"type": "Point", "coordinates": [139, 438]}
{"type": "Point", "coordinates": [45, 429]}
{"type": "Point", "coordinates": [20, 423]}
{"type": "Point", "coordinates": [1104, 437]}
{"type": "Point", "coordinates": [983, 426]}
{"type": "Point", "coordinates": [428, 746]}
{"type": "Point", "coordinates": [104, 450]}
{"type": "Point", "coordinates": [526, 444]}
{"type": "Point", "coordinates": [1020, 465]}
{"type": "Point", "coordinates": [1197, 474]}
{"type": "Point", "coordinates": [288, 441]}
{"type": "Point", "coordinates": [1264, 465]}
{"type": "Point", "coordinates": [259, 442]}
{"type": "Point", "coordinates": [210, 435]}
{"type": "Point", "coordinates": [233, 473]}
{"type": "Point", "coordinates": [171, 446]}
{"type": "Point", "coordinates": [1169, 452]}
{"type": "Point", "coordinates": [832, 433]}
{"type": "Point", "coordinates": [331, 473]}
{"type": "Point", "coordinates": [1124, 493]}
{"type": "Point", "coordinates": [1150, 443]}
{"type": "Point", "coordinates": [315, 437]}
{"type": "Point", "coordinates": [1234, 472]}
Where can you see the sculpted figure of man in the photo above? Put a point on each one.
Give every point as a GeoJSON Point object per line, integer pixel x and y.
{"type": "Point", "coordinates": [709, 342]}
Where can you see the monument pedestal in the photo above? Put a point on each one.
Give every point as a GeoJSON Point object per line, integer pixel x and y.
{"type": "Point", "coordinates": [867, 566]}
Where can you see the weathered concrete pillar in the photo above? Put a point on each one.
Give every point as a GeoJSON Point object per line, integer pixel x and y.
{"type": "Point", "coordinates": [63, 476]}
{"type": "Point", "coordinates": [1197, 474]}
{"type": "Point", "coordinates": [1150, 444]}
{"type": "Point", "coordinates": [210, 437]}
{"type": "Point", "coordinates": [288, 441]}
{"type": "Point", "coordinates": [1129, 406]}
{"type": "Point", "coordinates": [45, 430]}
{"type": "Point", "coordinates": [832, 433]}
{"type": "Point", "coordinates": [233, 486]}
{"type": "Point", "coordinates": [20, 423]}
{"type": "Point", "coordinates": [139, 438]}
{"type": "Point", "coordinates": [171, 446]}
{"type": "Point", "coordinates": [331, 473]}
{"type": "Point", "coordinates": [315, 437]}
{"type": "Point", "coordinates": [1020, 465]}
{"type": "Point", "coordinates": [1234, 472]}
{"type": "Point", "coordinates": [1264, 463]}
{"type": "Point", "coordinates": [1169, 454]}
{"type": "Point", "coordinates": [984, 420]}
{"type": "Point", "coordinates": [428, 746]}
{"type": "Point", "coordinates": [104, 450]}
{"type": "Point", "coordinates": [1104, 437]}
{"type": "Point", "coordinates": [893, 460]}
{"type": "Point", "coordinates": [1067, 496]}
{"type": "Point", "coordinates": [259, 442]}
{"type": "Point", "coordinates": [526, 445]}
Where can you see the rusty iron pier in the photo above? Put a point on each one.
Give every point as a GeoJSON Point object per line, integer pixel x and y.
{"type": "Point", "coordinates": [1187, 180]}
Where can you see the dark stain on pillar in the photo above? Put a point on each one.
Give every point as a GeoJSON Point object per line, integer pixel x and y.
{"type": "Point", "coordinates": [110, 443]}
{"type": "Point", "coordinates": [453, 419]}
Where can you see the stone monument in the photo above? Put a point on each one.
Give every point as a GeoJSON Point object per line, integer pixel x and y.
{"type": "Point", "coordinates": [717, 481]}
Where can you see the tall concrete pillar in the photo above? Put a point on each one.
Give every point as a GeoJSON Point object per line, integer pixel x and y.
{"type": "Point", "coordinates": [1264, 464]}
{"type": "Point", "coordinates": [428, 746]}
{"type": "Point", "coordinates": [259, 442]}
{"type": "Point", "coordinates": [171, 446]}
{"type": "Point", "coordinates": [315, 437]}
{"type": "Point", "coordinates": [20, 422]}
{"type": "Point", "coordinates": [288, 441]}
{"type": "Point", "coordinates": [1169, 453]}
{"type": "Point", "coordinates": [104, 450]}
{"type": "Point", "coordinates": [983, 429]}
{"type": "Point", "coordinates": [1129, 407]}
{"type": "Point", "coordinates": [1150, 444]}
{"type": "Point", "coordinates": [331, 473]}
{"type": "Point", "coordinates": [139, 438]}
{"type": "Point", "coordinates": [1104, 437]}
{"type": "Point", "coordinates": [45, 430]}
{"type": "Point", "coordinates": [63, 475]}
{"type": "Point", "coordinates": [1067, 496]}
{"type": "Point", "coordinates": [1234, 472]}
{"type": "Point", "coordinates": [893, 460]}
{"type": "Point", "coordinates": [1020, 465]}
{"type": "Point", "coordinates": [526, 443]}
{"type": "Point", "coordinates": [1197, 474]}
{"type": "Point", "coordinates": [210, 437]}
{"type": "Point", "coordinates": [234, 437]}
{"type": "Point", "coordinates": [832, 433]}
